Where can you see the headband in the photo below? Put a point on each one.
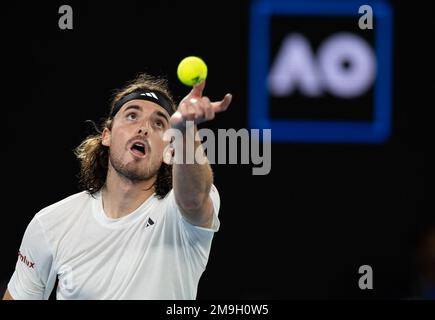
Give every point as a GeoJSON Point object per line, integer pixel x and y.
{"type": "Point", "coordinates": [152, 96]}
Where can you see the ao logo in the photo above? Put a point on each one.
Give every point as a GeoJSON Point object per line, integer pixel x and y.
{"type": "Point", "coordinates": [345, 66]}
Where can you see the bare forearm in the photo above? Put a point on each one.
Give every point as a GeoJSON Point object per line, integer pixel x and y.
{"type": "Point", "coordinates": [192, 182]}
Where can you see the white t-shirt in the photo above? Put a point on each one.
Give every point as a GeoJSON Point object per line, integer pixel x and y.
{"type": "Point", "coordinates": [152, 253]}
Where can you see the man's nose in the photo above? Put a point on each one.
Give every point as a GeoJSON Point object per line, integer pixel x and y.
{"type": "Point", "coordinates": [143, 130]}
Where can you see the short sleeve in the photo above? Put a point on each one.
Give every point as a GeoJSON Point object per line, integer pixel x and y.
{"type": "Point", "coordinates": [30, 278]}
{"type": "Point", "coordinates": [199, 237]}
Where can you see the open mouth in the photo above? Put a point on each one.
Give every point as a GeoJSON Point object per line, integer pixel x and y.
{"type": "Point", "coordinates": [138, 149]}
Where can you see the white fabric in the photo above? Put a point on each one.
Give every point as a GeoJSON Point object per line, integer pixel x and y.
{"type": "Point", "coordinates": [96, 257]}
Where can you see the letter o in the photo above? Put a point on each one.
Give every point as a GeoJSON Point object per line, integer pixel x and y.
{"type": "Point", "coordinates": [347, 82]}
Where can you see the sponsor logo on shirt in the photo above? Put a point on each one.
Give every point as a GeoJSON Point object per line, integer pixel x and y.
{"type": "Point", "coordinates": [27, 262]}
{"type": "Point", "coordinates": [150, 222]}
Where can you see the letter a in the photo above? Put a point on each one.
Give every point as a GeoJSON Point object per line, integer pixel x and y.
{"type": "Point", "coordinates": [366, 20]}
{"type": "Point", "coordinates": [66, 21]}
{"type": "Point", "coordinates": [366, 281]}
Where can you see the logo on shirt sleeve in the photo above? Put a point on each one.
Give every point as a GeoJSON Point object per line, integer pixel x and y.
{"type": "Point", "coordinates": [26, 261]}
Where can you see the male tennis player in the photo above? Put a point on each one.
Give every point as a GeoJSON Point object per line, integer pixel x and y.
{"type": "Point", "coordinates": [142, 228]}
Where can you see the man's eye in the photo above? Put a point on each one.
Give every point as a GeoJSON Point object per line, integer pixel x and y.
{"type": "Point", "coordinates": [131, 116]}
{"type": "Point", "coordinates": [159, 124]}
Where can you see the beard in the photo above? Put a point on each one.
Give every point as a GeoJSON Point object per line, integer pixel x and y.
{"type": "Point", "coordinates": [132, 171]}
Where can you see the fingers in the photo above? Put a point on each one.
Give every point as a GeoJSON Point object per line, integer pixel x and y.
{"type": "Point", "coordinates": [200, 109]}
{"type": "Point", "coordinates": [223, 104]}
{"type": "Point", "coordinates": [192, 109]}
{"type": "Point", "coordinates": [208, 109]}
{"type": "Point", "coordinates": [196, 109]}
{"type": "Point", "coordinates": [197, 90]}
{"type": "Point", "coordinates": [187, 111]}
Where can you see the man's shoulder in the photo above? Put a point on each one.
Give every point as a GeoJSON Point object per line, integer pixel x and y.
{"type": "Point", "coordinates": [67, 204]}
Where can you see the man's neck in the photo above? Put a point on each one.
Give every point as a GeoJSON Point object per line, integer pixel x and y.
{"type": "Point", "coordinates": [122, 196]}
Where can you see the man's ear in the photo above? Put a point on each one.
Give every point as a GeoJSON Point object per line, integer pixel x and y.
{"type": "Point", "coordinates": [106, 137]}
{"type": "Point", "coordinates": [168, 154]}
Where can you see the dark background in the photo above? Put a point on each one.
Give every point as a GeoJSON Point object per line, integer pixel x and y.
{"type": "Point", "coordinates": [300, 232]}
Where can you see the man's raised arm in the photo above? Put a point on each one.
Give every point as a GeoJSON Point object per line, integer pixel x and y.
{"type": "Point", "coordinates": [192, 182]}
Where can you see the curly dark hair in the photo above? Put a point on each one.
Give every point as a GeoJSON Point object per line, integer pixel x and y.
{"type": "Point", "coordinates": [94, 156]}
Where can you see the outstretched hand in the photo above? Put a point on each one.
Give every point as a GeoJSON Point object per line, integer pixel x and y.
{"type": "Point", "coordinates": [194, 107]}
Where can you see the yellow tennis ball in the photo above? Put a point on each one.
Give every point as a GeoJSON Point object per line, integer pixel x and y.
{"type": "Point", "coordinates": [192, 70]}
